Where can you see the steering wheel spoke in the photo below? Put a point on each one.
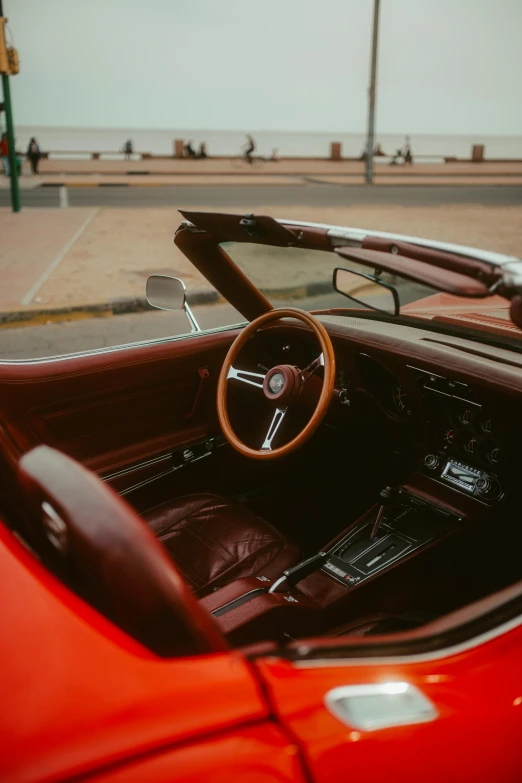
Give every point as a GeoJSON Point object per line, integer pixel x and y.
{"type": "Point", "coordinates": [245, 376]}
{"type": "Point", "coordinates": [278, 417]}
{"type": "Point", "coordinates": [307, 373]}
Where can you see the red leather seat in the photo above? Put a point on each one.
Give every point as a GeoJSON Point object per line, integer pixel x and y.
{"type": "Point", "coordinates": [214, 541]}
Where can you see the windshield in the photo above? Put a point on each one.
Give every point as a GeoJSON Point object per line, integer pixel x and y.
{"type": "Point", "coordinates": [303, 278]}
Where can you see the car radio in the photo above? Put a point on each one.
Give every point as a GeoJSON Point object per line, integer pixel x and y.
{"type": "Point", "coordinates": [467, 479]}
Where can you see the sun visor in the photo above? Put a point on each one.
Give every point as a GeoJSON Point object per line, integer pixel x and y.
{"type": "Point", "coordinates": [418, 271]}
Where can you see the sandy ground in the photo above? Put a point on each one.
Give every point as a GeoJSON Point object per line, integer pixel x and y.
{"type": "Point", "coordinates": [120, 247]}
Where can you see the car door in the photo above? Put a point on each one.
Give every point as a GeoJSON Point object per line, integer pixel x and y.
{"type": "Point", "coordinates": [452, 715]}
{"type": "Point", "coordinates": [123, 412]}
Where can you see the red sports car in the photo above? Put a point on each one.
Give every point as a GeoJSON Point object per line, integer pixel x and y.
{"type": "Point", "coordinates": [284, 550]}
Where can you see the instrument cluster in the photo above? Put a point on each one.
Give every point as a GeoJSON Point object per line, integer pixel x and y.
{"type": "Point", "coordinates": [459, 425]}
{"type": "Point", "coordinates": [469, 433]}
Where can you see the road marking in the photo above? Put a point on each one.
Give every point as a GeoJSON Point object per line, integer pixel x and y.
{"type": "Point", "coordinates": [57, 261]}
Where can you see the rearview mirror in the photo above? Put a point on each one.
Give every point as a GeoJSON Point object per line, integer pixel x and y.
{"type": "Point", "coordinates": [169, 293]}
{"type": "Point", "coordinates": [367, 290]}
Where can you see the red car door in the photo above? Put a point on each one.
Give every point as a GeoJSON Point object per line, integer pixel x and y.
{"type": "Point", "coordinates": [470, 732]}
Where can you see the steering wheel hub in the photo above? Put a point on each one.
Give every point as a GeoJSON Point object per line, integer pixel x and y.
{"type": "Point", "coordinates": [282, 384]}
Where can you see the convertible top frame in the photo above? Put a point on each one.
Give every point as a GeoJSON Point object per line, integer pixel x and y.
{"type": "Point", "coordinates": [435, 263]}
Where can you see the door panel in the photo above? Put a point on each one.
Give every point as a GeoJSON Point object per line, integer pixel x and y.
{"type": "Point", "coordinates": [113, 409]}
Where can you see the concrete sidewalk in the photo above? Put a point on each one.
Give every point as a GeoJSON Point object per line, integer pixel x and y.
{"type": "Point", "coordinates": [298, 166]}
{"type": "Point", "coordinates": [154, 173]}
{"type": "Point", "coordinates": [80, 262]}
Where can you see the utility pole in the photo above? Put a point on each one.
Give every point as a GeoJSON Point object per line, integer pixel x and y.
{"type": "Point", "coordinates": [13, 173]}
{"type": "Point", "coordinates": [371, 95]}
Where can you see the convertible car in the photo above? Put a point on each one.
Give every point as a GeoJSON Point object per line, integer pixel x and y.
{"type": "Point", "coordinates": [289, 549]}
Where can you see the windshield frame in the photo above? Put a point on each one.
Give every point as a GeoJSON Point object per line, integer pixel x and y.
{"type": "Point", "coordinates": [199, 238]}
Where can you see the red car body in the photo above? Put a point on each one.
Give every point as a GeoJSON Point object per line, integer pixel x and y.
{"type": "Point", "coordinates": [81, 701]}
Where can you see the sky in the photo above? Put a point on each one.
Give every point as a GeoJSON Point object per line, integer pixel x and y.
{"type": "Point", "coordinates": [445, 66]}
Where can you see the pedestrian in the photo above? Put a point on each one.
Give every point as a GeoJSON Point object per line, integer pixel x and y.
{"type": "Point", "coordinates": [406, 151]}
{"type": "Point", "coordinates": [250, 147]}
{"type": "Point", "coordinates": [202, 150]}
{"type": "Point", "coordinates": [128, 149]}
{"type": "Point", "coordinates": [189, 150]}
{"type": "Point", "coordinates": [4, 153]}
{"type": "Point", "coordinates": [378, 151]}
{"type": "Point", "coordinates": [34, 155]}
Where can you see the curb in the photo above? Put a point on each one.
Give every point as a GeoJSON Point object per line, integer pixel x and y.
{"type": "Point", "coordinates": [297, 178]}
{"type": "Point", "coordinates": [139, 304]}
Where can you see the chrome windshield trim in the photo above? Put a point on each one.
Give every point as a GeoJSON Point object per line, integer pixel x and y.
{"type": "Point", "coordinates": [436, 655]}
{"type": "Point", "coordinates": [355, 236]}
{"type": "Point", "coordinates": [125, 346]}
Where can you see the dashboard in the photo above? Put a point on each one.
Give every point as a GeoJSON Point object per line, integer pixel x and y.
{"type": "Point", "coordinates": [454, 402]}
{"type": "Point", "coordinates": [461, 445]}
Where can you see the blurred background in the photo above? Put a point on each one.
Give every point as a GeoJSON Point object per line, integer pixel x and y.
{"type": "Point", "coordinates": [123, 112]}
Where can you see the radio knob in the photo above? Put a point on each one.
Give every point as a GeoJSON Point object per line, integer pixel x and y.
{"type": "Point", "coordinates": [488, 488]}
{"type": "Point", "coordinates": [431, 461]}
{"type": "Point", "coordinates": [483, 485]}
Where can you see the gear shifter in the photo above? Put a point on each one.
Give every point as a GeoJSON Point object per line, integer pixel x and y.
{"type": "Point", "coordinates": [386, 497]}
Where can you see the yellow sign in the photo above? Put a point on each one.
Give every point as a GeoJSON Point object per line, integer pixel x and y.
{"type": "Point", "coordinates": [9, 60]}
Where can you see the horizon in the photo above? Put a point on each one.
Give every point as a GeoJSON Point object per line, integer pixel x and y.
{"type": "Point", "coordinates": [126, 129]}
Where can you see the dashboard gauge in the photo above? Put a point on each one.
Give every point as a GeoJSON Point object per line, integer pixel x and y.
{"type": "Point", "coordinates": [490, 452]}
{"type": "Point", "coordinates": [468, 443]}
{"type": "Point", "coordinates": [400, 399]}
{"type": "Point", "coordinates": [449, 437]}
{"type": "Point", "coordinates": [464, 416]}
{"type": "Point", "coordinates": [494, 455]}
{"type": "Point", "coordinates": [486, 426]}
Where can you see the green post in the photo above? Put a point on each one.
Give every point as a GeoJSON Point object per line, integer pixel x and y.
{"type": "Point", "coordinates": [13, 171]}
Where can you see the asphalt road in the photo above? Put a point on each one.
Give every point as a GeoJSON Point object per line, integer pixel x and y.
{"type": "Point", "coordinates": [55, 339]}
{"type": "Point", "coordinates": [253, 196]}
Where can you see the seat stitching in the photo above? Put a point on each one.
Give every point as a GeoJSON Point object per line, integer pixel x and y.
{"type": "Point", "coordinates": [196, 577]}
{"type": "Point", "coordinates": [238, 563]}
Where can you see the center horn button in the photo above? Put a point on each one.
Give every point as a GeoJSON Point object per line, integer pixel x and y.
{"type": "Point", "coordinates": [282, 384]}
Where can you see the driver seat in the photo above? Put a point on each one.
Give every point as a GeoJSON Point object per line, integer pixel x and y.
{"type": "Point", "coordinates": [215, 541]}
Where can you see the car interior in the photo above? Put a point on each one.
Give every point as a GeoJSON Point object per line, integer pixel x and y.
{"type": "Point", "coordinates": [303, 477]}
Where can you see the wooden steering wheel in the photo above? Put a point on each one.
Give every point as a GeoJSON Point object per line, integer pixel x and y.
{"type": "Point", "coordinates": [280, 386]}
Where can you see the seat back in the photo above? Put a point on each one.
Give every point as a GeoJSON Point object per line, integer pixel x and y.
{"type": "Point", "coordinates": [97, 544]}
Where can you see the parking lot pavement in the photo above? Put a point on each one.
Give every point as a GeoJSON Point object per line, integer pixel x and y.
{"type": "Point", "coordinates": [54, 339]}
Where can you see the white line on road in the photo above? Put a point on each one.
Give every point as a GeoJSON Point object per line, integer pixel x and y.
{"type": "Point", "coordinates": [56, 262]}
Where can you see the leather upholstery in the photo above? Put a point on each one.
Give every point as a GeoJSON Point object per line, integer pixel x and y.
{"type": "Point", "coordinates": [214, 541]}
{"type": "Point", "coordinates": [97, 544]}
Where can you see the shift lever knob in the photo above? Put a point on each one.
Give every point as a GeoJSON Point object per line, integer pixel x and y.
{"type": "Point", "coordinates": [385, 497]}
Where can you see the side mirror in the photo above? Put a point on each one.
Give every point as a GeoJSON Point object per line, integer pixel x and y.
{"type": "Point", "coordinates": [367, 290]}
{"type": "Point", "coordinates": [169, 293]}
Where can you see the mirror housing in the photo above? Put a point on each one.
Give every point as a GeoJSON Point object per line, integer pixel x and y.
{"type": "Point", "coordinates": [169, 293]}
{"type": "Point", "coordinates": [367, 290]}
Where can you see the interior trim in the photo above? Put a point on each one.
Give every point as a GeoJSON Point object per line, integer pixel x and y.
{"type": "Point", "coordinates": [125, 346]}
{"type": "Point", "coordinates": [135, 467]}
{"type": "Point", "coordinates": [445, 652]}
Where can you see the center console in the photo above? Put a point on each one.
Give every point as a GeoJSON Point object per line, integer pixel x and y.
{"type": "Point", "coordinates": [407, 523]}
